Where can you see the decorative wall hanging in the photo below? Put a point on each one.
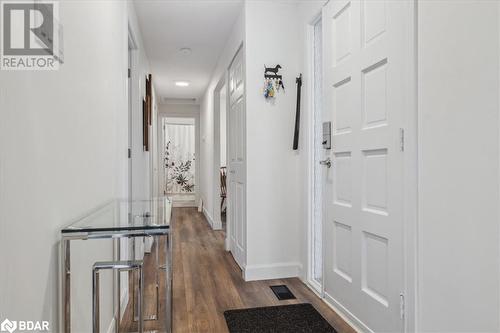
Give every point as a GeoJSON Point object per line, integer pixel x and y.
{"type": "Point", "coordinates": [273, 82]}
{"type": "Point", "coordinates": [149, 97]}
{"type": "Point", "coordinates": [297, 114]}
{"type": "Point", "coordinates": [145, 126]}
{"type": "Point", "coordinates": [147, 112]}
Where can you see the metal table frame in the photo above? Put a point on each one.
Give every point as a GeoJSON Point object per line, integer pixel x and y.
{"type": "Point", "coordinates": [131, 232]}
{"type": "Point", "coordinates": [118, 266]}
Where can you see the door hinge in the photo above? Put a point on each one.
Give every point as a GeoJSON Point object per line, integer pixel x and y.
{"type": "Point", "coordinates": [129, 73]}
{"type": "Point", "coordinates": [129, 153]}
{"type": "Point", "coordinates": [402, 306]}
{"type": "Point", "coordinates": [402, 139]}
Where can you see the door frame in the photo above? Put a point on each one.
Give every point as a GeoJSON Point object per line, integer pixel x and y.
{"type": "Point", "coordinates": [229, 222]}
{"type": "Point", "coordinates": [161, 150]}
{"type": "Point", "coordinates": [216, 214]}
{"type": "Point", "coordinates": [311, 202]}
{"type": "Point", "coordinates": [126, 247]}
{"type": "Point", "coordinates": [410, 179]}
{"type": "Point", "coordinates": [410, 176]}
{"type": "Point", "coordinates": [131, 66]}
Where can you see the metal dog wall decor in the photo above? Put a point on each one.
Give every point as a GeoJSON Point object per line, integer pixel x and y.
{"type": "Point", "coordinates": [273, 82]}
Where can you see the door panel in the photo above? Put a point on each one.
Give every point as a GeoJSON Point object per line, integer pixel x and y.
{"type": "Point", "coordinates": [237, 162]}
{"type": "Point", "coordinates": [366, 47]}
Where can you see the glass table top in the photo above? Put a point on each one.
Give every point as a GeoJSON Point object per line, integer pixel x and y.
{"type": "Point", "coordinates": [124, 215]}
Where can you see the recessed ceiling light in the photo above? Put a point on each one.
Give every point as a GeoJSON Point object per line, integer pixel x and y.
{"type": "Point", "coordinates": [182, 83]}
{"type": "Point", "coordinates": [185, 51]}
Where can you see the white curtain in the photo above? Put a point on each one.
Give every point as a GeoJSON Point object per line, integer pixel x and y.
{"type": "Point", "coordinates": [179, 158]}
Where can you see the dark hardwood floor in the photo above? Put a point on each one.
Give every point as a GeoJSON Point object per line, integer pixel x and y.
{"type": "Point", "coordinates": [207, 282]}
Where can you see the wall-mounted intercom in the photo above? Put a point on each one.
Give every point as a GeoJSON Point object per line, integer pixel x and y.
{"type": "Point", "coordinates": [327, 135]}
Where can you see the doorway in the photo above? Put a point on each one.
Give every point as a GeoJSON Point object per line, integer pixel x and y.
{"type": "Point", "coordinates": [220, 155]}
{"type": "Point", "coordinates": [236, 160]}
{"type": "Point", "coordinates": [317, 153]}
{"type": "Point", "coordinates": [223, 156]}
{"type": "Point", "coordinates": [179, 160]}
{"type": "Point", "coordinates": [130, 107]}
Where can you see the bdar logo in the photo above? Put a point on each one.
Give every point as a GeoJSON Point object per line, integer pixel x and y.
{"type": "Point", "coordinates": [8, 326]}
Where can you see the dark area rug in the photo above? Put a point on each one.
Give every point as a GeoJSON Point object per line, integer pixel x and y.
{"type": "Point", "coordinates": [277, 319]}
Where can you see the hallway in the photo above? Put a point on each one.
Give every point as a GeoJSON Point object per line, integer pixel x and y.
{"type": "Point", "coordinates": [207, 281]}
{"type": "Point", "coordinates": [163, 162]}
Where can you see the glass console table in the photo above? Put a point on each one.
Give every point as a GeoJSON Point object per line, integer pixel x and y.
{"type": "Point", "coordinates": [140, 237]}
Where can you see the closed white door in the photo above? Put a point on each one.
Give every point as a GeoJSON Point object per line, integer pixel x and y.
{"type": "Point", "coordinates": [366, 46]}
{"type": "Point", "coordinates": [236, 175]}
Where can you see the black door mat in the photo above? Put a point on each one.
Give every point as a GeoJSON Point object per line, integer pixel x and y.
{"type": "Point", "coordinates": [295, 318]}
{"type": "Point", "coordinates": [282, 292]}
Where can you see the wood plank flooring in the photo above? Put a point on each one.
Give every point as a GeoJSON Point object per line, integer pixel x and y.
{"type": "Point", "coordinates": [207, 282]}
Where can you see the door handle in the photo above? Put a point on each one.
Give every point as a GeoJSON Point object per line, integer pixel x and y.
{"type": "Point", "coordinates": [327, 162]}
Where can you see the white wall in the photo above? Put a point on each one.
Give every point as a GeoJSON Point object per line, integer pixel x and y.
{"type": "Point", "coordinates": [62, 152]}
{"type": "Point", "coordinates": [308, 12]}
{"type": "Point", "coordinates": [143, 171]}
{"type": "Point", "coordinates": [458, 225]}
{"type": "Point", "coordinates": [276, 203]}
{"type": "Point", "coordinates": [207, 117]}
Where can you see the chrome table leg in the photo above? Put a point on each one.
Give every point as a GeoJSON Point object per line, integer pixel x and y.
{"type": "Point", "coordinates": [66, 286]}
{"type": "Point", "coordinates": [119, 266]}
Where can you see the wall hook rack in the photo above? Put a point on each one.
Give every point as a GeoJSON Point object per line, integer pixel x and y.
{"type": "Point", "coordinates": [272, 72]}
{"type": "Point", "coordinates": [273, 82]}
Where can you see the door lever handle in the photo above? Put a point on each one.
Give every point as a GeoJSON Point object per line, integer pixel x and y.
{"type": "Point", "coordinates": [327, 162]}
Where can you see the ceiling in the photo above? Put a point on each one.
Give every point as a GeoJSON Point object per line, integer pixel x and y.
{"type": "Point", "coordinates": [170, 25]}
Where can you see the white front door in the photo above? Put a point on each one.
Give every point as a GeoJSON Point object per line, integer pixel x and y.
{"type": "Point", "coordinates": [236, 164]}
{"type": "Point", "coordinates": [366, 49]}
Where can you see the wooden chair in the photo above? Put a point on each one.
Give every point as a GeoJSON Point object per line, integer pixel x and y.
{"type": "Point", "coordinates": [223, 190]}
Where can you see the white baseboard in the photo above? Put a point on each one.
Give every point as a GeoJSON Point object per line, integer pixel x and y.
{"type": "Point", "coordinates": [346, 315]}
{"type": "Point", "coordinates": [148, 245]}
{"type": "Point", "coordinates": [208, 217]}
{"type": "Point", "coordinates": [272, 271]}
{"type": "Point", "coordinates": [184, 204]}
{"type": "Point", "coordinates": [216, 225]}
{"type": "Point", "coordinates": [302, 273]}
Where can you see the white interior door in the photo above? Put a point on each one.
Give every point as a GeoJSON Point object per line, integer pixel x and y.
{"type": "Point", "coordinates": [366, 45]}
{"type": "Point", "coordinates": [236, 166]}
